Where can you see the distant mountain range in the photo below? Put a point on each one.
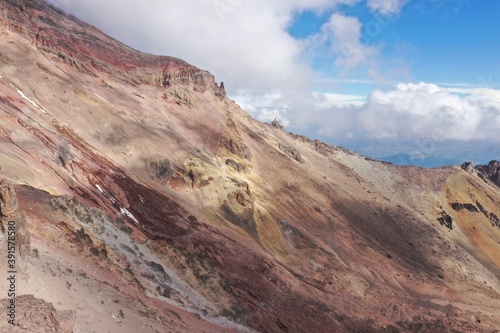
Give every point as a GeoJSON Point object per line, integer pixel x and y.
{"type": "Point", "coordinates": [427, 153]}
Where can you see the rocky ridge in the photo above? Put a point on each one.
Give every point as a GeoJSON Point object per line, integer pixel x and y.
{"type": "Point", "coordinates": [489, 173]}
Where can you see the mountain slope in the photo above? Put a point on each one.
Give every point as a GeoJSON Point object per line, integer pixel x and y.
{"type": "Point", "coordinates": [145, 186]}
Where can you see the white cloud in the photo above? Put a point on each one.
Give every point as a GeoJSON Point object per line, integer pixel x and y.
{"type": "Point", "coordinates": [302, 111]}
{"type": "Point", "coordinates": [346, 33]}
{"type": "Point", "coordinates": [343, 36]}
{"type": "Point", "coordinates": [428, 88]}
{"type": "Point", "coordinates": [407, 111]}
{"type": "Point", "coordinates": [422, 110]}
{"type": "Point", "coordinates": [427, 110]}
{"type": "Point", "coordinates": [265, 107]}
{"type": "Point", "coordinates": [386, 7]}
{"type": "Point", "coordinates": [325, 101]}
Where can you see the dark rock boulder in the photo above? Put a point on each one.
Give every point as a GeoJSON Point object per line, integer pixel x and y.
{"type": "Point", "coordinates": [461, 206]}
{"type": "Point", "coordinates": [445, 220]}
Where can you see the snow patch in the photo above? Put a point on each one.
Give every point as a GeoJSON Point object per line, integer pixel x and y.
{"type": "Point", "coordinates": [101, 97]}
{"type": "Point", "coordinates": [128, 214]}
{"type": "Point", "coordinates": [29, 100]}
{"type": "Point", "coordinates": [99, 187]}
{"type": "Point", "coordinates": [94, 93]}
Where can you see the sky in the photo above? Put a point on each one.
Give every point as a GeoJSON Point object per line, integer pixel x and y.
{"type": "Point", "coordinates": [344, 71]}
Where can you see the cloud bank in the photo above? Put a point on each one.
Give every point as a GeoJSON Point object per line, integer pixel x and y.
{"type": "Point", "coordinates": [407, 111]}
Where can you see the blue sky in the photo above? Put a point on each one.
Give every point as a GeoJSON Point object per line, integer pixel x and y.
{"type": "Point", "coordinates": [439, 41]}
{"type": "Point", "coordinates": [345, 71]}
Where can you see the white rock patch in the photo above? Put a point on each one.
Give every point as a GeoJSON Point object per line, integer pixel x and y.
{"type": "Point", "coordinates": [128, 214]}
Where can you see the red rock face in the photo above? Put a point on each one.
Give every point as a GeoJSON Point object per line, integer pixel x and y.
{"type": "Point", "coordinates": [143, 185]}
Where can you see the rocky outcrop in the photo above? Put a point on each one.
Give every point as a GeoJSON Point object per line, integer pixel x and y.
{"type": "Point", "coordinates": [235, 146]}
{"type": "Point", "coordinates": [458, 206]}
{"type": "Point", "coordinates": [235, 165]}
{"type": "Point", "coordinates": [445, 220]}
{"type": "Point", "coordinates": [11, 216]}
{"type": "Point", "coordinates": [187, 76]}
{"type": "Point", "coordinates": [324, 149]}
{"type": "Point", "coordinates": [221, 91]}
{"type": "Point", "coordinates": [243, 196]}
{"type": "Point", "coordinates": [180, 97]}
{"type": "Point", "coordinates": [494, 219]}
{"type": "Point", "coordinates": [232, 142]}
{"type": "Point", "coordinates": [35, 315]}
{"type": "Point", "coordinates": [277, 125]}
{"type": "Point", "coordinates": [197, 173]}
{"type": "Point", "coordinates": [490, 172]}
{"type": "Point", "coordinates": [467, 167]}
{"type": "Point", "coordinates": [160, 169]}
{"type": "Point", "coordinates": [291, 152]}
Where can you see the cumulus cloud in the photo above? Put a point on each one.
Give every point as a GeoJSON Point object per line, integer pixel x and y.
{"type": "Point", "coordinates": [343, 33]}
{"type": "Point", "coordinates": [266, 107]}
{"type": "Point", "coordinates": [422, 110]}
{"type": "Point", "coordinates": [313, 113]}
{"type": "Point", "coordinates": [386, 7]}
{"type": "Point", "coordinates": [405, 112]}
{"type": "Point", "coordinates": [427, 110]}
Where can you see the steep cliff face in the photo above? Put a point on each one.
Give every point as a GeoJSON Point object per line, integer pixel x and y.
{"type": "Point", "coordinates": [143, 185]}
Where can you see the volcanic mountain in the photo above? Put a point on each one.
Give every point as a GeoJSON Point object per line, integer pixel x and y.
{"type": "Point", "coordinates": [145, 200]}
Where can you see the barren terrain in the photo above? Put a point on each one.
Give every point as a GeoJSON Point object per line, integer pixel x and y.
{"type": "Point", "coordinates": [148, 201]}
